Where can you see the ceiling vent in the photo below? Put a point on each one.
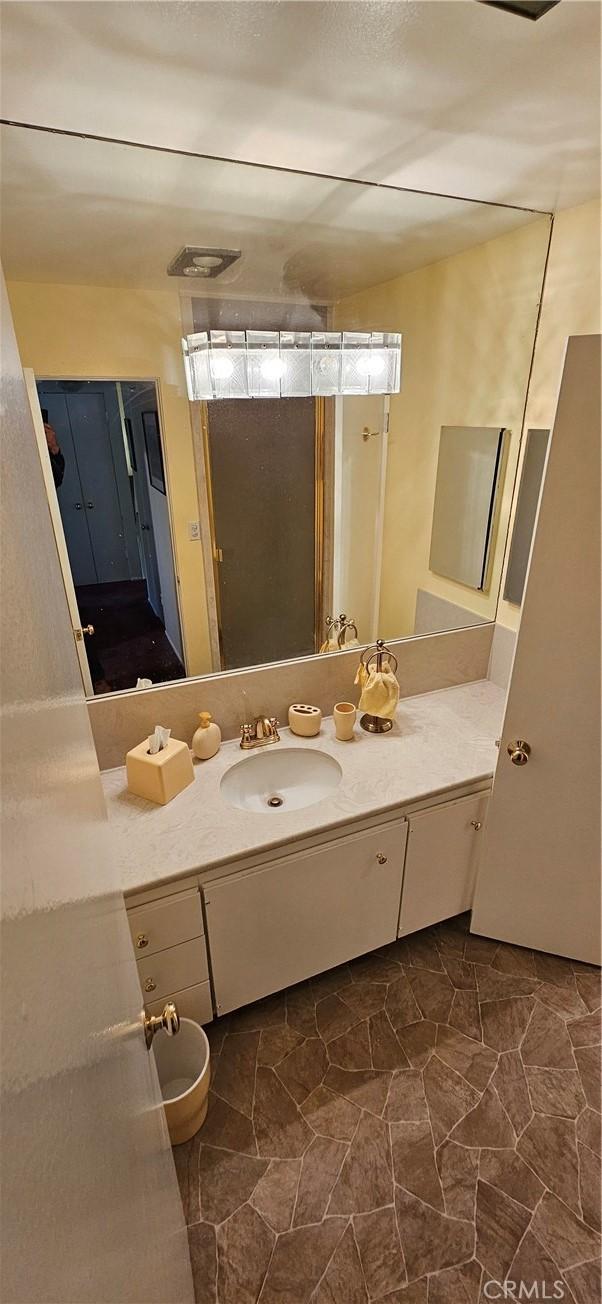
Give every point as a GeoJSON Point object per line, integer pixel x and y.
{"type": "Point", "coordinates": [195, 261]}
{"type": "Point", "coordinates": [532, 9]}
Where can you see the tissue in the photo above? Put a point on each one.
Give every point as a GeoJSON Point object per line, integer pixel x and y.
{"type": "Point", "coordinates": [158, 740]}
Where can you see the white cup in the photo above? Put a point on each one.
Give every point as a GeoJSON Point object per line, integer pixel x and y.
{"type": "Point", "coordinates": [344, 714]}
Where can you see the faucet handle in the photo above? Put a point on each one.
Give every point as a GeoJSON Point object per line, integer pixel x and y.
{"type": "Point", "coordinates": [246, 730]}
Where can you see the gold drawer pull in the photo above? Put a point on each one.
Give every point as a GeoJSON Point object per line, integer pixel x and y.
{"type": "Point", "coordinates": [141, 941]}
{"type": "Point", "coordinates": [476, 824]}
{"type": "Point", "coordinates": [150, 985]}
{"type": "Point", "coordinates": [382, 860]}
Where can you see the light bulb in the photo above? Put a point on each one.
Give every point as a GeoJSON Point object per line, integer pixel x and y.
{"type": "Point", "coordinates": [221, 366]}
{"type": "Point", "coordinates": [207, 261]}
{"type": "Point", "coordinates": [272, 368]}
{"type": "Point", "coordinates": [370, 364]}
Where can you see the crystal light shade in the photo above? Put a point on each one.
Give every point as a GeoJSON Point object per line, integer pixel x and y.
{"type": "Point", "coordinates": [291, 364]}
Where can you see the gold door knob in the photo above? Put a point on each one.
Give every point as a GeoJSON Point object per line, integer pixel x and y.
{"type": "Point", "coordinates": [476, 824]}
{"type": "Point", "coordinates": [150, 985]}
{"type": "Point", "coordinates": [141, 941]}
{"type": "Point", "coordinates": [382, 860]}
{"type": "Point", "coordinates": [519, 752]}
{"type": "Point", "coordinates": [168, 1021]}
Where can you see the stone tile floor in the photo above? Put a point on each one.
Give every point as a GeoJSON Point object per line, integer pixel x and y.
{"type": "Point", "coordinates": [406, 1128]}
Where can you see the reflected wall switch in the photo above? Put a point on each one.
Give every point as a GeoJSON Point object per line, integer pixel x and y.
{"type": "Point", "coordinates": [194, 530]}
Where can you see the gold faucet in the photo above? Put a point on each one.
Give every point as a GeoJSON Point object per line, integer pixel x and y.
{"type": "Point", "coordinates": [264, 730]}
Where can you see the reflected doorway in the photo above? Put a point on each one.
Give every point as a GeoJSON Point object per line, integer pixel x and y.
{"type": "Point", "coordinates": [109, 482]}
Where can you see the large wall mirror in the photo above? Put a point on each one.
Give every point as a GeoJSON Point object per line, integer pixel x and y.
{"type": "Point", "coordinates": [233, 527]}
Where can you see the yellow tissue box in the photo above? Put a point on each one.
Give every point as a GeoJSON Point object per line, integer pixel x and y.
{"type": "Point", "coordinates": [162, 776]}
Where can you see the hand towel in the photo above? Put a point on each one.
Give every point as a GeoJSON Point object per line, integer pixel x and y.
{"type": "Point", "coordinates": [380, 691]}
{"type": "Point", "coordinates": [361, 677]}
{"type": "Point", "coordinates": [330, 645]}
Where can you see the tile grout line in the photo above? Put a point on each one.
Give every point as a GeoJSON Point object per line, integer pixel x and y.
{"type": "Point", "coordinates": [321, 1279]}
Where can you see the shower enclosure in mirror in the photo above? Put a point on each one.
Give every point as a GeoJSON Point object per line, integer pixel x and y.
{"type": "Point", "coordinates": [364, 353]}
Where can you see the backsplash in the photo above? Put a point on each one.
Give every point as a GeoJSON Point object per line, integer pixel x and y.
{"type": "Point", "coordinates": [425, 664]}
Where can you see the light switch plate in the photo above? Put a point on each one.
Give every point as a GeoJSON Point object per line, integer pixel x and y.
{"type": "Point", "coordinates": [194, 530]}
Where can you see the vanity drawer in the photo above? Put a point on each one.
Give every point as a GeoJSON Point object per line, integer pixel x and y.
{"type": "Point", "coordinates": [192, 1003]}
{"type": "Point", "coordinates": [174, 969]}
{"type": "Point", "coordinates": [166, 923]}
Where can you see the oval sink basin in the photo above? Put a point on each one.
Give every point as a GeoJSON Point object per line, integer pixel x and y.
{"type": "Point", "coordinates": [285, 778]}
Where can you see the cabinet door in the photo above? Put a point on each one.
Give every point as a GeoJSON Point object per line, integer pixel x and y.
{"type": "Point", "coordinates": [303, 914]}
{"type": "Point", "coordinates": [444, 845]}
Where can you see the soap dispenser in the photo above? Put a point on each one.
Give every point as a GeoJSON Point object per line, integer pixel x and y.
{"type": "Point", "coordinates": [207, 737]}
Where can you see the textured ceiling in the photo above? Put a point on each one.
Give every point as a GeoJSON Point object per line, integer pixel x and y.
{"type": "Point", "coordinates": [445, 95]}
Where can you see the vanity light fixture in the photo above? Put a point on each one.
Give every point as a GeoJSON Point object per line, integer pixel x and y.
{"type": "Point", "coordinates": [291, 364]}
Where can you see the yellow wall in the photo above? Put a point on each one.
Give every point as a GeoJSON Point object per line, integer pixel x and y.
{"type": "Point", "coordinates": [89, 331]}
{"type": "Point", "coordinates": [468, 325]}
{"type": "Point", "coordinates": [571, 306]}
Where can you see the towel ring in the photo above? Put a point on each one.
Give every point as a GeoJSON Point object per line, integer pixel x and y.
{"type": "Point", "coordinates": [378, 650]}
{"type": "Point", "coordinates": [373, 723]}
{"type": "Point", "coordinates": [337, 627]}
{"type": "Point", "coordinates": [344, 625]}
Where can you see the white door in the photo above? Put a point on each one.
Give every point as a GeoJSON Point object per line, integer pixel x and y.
{"type": "Point", "coordinates": [58, 530]}
{"type": "Point", "coordinates": [539, 881]}
{"type": "Point", "coordinates": [361, 442]}
{"type": "Point", "coordinates": [90, 1205]}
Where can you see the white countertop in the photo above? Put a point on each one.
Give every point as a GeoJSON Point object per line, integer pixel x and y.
{"type": "Point", "coordinates": [439, 741]}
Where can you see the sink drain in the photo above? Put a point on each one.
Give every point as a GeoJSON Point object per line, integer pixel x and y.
{"type": "Point", "coordinates": [275, 801]}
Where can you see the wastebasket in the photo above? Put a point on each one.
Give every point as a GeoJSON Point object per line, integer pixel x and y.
{"type": "Point", "coordinates": [183, 1069]}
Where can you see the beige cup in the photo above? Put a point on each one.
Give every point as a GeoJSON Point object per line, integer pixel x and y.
{"type": "Point", "coordinates": [344, 714]}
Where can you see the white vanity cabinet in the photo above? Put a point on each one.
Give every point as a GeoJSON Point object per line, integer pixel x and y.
{"type": "Point", "coordinates": [281, 916]}
{"type": "Point", "coordinates": [442, 856]}
{"type": "Point", "coordinates": [300, 914]}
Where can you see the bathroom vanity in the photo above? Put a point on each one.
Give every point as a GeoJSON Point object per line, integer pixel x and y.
{"type": "Point", "coordinates": [227, 905]}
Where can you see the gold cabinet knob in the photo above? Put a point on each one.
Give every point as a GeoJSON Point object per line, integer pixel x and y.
{"type": "Point", "coordinates": [476, 824]}
{"type": "Point", "coordinates": [141, 941]}
{"type": "Point", "coordinates": [150, 985]}
{"type": "Point", "coordinates": [519, 752]}
{"type": "Point", "coordinates": [382, 860]}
